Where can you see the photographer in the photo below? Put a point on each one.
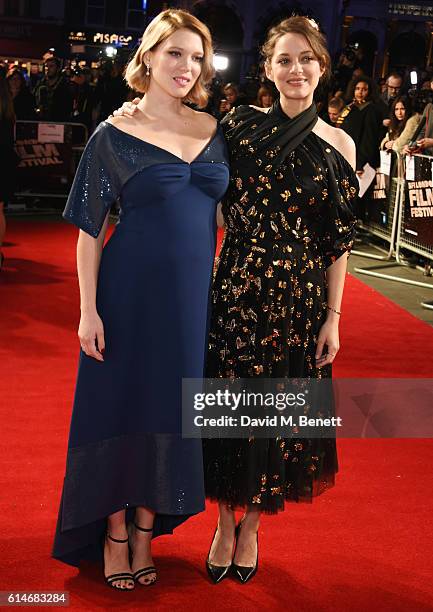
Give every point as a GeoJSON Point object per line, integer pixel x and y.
{"type": "Point", "coordinates": [343, 73]}
{"type": "Point", "coordinates": [422, 141]}
{"type": "Point", "coordinates": [53, 95]}
{"type": "Point", "coordinates": [83, 97]}
{"type": "Point", "coordinates": [232, 97]}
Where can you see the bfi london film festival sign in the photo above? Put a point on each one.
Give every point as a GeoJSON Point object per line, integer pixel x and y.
{"type": "Point", "coordinates": [45, 156]}
{"type": "Point", "coordinates": [418, 201]}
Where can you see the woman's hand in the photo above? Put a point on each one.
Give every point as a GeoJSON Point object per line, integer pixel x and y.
{"type": "Point", "coordinates": [328, 336]}
{"type": "Point", "coordinates": [425, 143]}
{"type": "Point", "coordinates": [127, 109]}
{"type": "Point", "coordinates": [407, 150]}
{"type": "Point", "coordinates": [91, 335]}
{"type": "Point", "coordinates": [388, 144]}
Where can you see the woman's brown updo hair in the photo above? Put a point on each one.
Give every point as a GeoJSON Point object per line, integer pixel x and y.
{"type": "Point", "coordinates": [307, 28]}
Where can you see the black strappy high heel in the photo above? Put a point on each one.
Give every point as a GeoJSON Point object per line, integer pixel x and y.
{"type": "Point", "coordinates": [144, 571]}
{"type": "Point", "coordinates": [122, 575]}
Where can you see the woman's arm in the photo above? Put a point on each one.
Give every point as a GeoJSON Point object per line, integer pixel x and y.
{"type": "Point", "coordinates": [91, 329]}
{"type": "Point", "coordinates": [336, 276]}
{"type": "Point", "coordinates": [220, 216]}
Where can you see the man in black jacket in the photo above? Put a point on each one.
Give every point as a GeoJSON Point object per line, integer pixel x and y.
{"type": "Point", "coordinates": [53, 94]}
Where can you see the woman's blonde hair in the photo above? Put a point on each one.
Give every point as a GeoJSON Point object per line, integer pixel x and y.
{"type": "Point", "coordinates": [307, 28]}
{"type": "Point", "coordinates": [158, 30]}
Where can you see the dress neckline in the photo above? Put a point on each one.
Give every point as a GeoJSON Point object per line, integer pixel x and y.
{"type": "Point", "coordinates": [150, 144]}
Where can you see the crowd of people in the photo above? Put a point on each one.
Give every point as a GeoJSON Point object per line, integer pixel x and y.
{"type": "Point", "coordinates": [67, 94]}
{"type": "Point", "coordinates": [388, 114]}
{"type": "Point", "coordinates": [382, 114]}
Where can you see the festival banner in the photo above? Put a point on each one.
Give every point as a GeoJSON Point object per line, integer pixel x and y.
{"type": "Point", "coordinates": [45, 152]}
{"type": "Point", "coordinates": [418, 204]}
{"type": "Point", "coordinates": [378, 201]}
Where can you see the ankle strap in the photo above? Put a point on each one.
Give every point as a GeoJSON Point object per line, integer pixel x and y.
{"type": "Point", "coordinates": [143, 528]}
{"type": "Point", "coordinates": [115, 540]}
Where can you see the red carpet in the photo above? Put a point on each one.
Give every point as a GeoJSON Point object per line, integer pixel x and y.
{"type": "Point", "coordinates": [363, 545]}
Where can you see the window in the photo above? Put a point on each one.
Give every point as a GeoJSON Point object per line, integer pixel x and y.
{"type": "Point", "coordinates": [135, 12]}
{"type": "Point", "coordinates": [95, 12]}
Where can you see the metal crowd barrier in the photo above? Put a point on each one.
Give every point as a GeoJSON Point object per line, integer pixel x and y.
{"type": "Point", "coordinates": [415, 233]}
{"type": "Point", "coordinates": [48, 154]}
{"type": "Point", "coordinates": [380, 218]}
{"type": "Point", "coordinates": [410, 220]}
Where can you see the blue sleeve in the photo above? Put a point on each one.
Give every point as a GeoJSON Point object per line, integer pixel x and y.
{"type": "Point", "coordinates": [96, 184]}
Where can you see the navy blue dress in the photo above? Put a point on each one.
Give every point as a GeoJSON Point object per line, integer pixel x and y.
{"type": "Point", "coordinates": [125, 445]}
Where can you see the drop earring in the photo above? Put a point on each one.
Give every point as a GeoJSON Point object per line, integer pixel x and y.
{"type": "Point", "coordinates": [148, 70]}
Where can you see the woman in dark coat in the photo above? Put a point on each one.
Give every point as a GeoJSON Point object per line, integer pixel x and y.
{"type": "Point", "coordinates": [23, 100]}
{"type": "Point", "coordinates": [362, 121]}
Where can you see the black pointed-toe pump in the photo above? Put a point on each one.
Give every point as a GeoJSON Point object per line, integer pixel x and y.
{"type": "Point", "coordinates": [241, 572]}
{"type": "Point", "coordinates": [216, 572]}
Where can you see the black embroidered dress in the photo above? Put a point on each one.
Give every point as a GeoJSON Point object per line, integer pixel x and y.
{"type": "Point", "coordinates": [288, 217]}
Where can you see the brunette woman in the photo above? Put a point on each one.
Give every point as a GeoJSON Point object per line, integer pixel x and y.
{"type": "Point", "coordinates": [277, 292]}
{"type": "Point", "coordinates": [265, 97]}
{"type": "Point", "coordinates": [400, 113]}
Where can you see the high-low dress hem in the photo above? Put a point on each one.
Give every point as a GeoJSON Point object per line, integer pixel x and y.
{"type": "Point", "coordinates": [125, 445]}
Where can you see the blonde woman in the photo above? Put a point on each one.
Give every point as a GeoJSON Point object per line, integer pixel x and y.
{"type": "Point", "coordinates": [144, 304]}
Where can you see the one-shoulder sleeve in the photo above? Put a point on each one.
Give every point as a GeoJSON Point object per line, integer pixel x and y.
{"type": "Point", "coordinates": [339, 218]}
{"type": "Point", "coordinates": [96, 185]}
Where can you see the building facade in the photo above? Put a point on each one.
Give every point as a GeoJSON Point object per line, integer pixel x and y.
{"type": "Point", "coordinates": [391, 34]}
{"type": "Point", "coordinates": [28, 28]}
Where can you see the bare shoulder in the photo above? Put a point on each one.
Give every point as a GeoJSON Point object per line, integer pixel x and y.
{"type": "Point", "coordinates": [337, 138]}
{"type": "Point", "coordinates": [125, 122]}
{"type": "Point", "coordinates": [205, 122]}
